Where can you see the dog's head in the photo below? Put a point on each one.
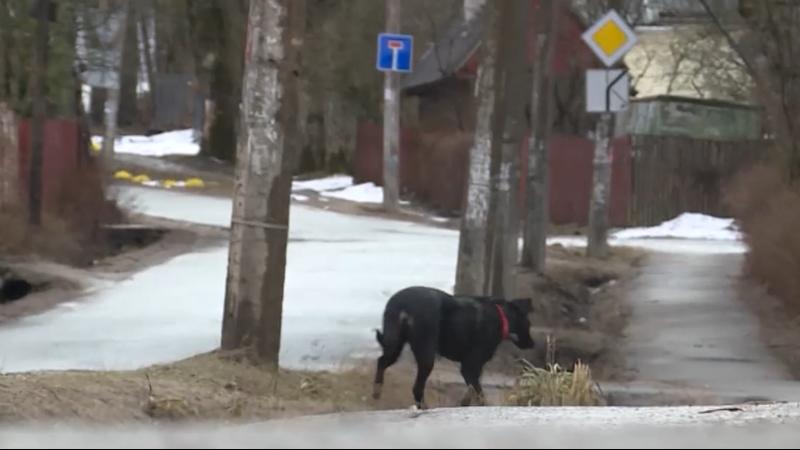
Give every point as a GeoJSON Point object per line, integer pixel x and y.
{"type": "Point", "coordinates": [518, 323]}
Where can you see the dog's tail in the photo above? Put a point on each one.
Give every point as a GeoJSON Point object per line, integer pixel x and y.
{"type": "Point", "coordinates": [379, 336]}
{"type": "Point", "coordinates": [395, 329]}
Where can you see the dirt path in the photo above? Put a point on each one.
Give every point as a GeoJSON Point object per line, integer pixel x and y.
{"type": "Point", "coordinates": [689, 329]}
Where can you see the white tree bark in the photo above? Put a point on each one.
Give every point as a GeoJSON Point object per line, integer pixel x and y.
{"type": "Point", "coordinates": [9, 160]}
{"type": "Point", "coordinates": [111, 110]}
{"type": "Point", "coordinates": [601, 190]}
{"type": "Point", "coordinates": [472, 272]}
{"type": "Point", "coordinates": [268, 140]}
{"type": "Point", "coordinates": [506, 235]}
{"type": "Point", "coordinates": [472, 8]}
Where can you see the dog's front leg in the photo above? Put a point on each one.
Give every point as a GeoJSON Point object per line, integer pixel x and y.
{"type": "Point", "coordinates": [472, 376]}
{"type": "Point", "coordinates": [466, 401]}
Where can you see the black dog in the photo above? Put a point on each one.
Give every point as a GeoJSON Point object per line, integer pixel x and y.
{"type": "Point", "coordinates": [467, 330]}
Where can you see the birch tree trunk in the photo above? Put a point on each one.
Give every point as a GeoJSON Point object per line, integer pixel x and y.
{"type": "Point", "coordinates": [265, 156]}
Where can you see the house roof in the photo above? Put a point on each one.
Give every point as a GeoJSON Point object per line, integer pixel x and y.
{"type": "Point", "coordinates": [453, 49]}
{"type": "Point", "coordinates": [700, 101]}
{"type": "Point", "coordinates": [447, 54]}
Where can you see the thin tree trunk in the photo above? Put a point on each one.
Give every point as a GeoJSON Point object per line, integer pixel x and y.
{"type": "Point", "coordinates": [129, 69]}
{"type": "Point", "coordinates": [506, 247]}
{"type": "Point", "coordinates": [149, 57]}
{"type": "Point", "coordinates": [113, 94]}
{"type": "Point", "coordinates": [537, 217]}
{"type": "Point", "coordinates": [601, 190]}
{"type": "Point", "coordinates": [9, 160]}
{"type": "Point", "coordinates": [474, 249]}
{"type": "Point", "coordinates": [39, 98]}
{"type": "Point", "coordinates": [260, 222]}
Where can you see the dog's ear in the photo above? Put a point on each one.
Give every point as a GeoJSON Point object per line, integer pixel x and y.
{"type": "Point", "coordinates": [523, 304]}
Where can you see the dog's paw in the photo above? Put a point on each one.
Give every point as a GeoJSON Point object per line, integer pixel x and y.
{"type": "Point", "coordinates": [417, 410]}
{"type": "Point", "coordinates": [376, 391]}
{"type": "Point", "coordinates": [466, 401]}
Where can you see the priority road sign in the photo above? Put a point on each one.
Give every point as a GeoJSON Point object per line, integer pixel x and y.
{"type": "Point", "coordinates": [610, 38]}
{"type": "Point", "coordinates": [395, 52]}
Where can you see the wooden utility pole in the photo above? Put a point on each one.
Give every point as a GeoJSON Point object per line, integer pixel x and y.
{"type": "Point", "coordinates": [391, 120]}
{"type": "Point", "coordinates": [113, 94]}
{"type": "Point", "coordinates": [265, 153]}
{"type": "Point", "coordinates": [601, 189]}
{"type": "Point", "coordinates": [474, 249]}
{"type": "Point", "coordinates": [505, 252]}
{"type": "Point", "coordinates": [39, 99]}
{"type": "Point", "coordinates": [534, 248]}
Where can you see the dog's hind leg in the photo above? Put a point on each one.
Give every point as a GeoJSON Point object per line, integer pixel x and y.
{"type": "Point", "coordinates": [426, 357]}
{"type": "Point", "coordinates": [392, 340]}
{"type": "Point", "coordinates": [389, 357]}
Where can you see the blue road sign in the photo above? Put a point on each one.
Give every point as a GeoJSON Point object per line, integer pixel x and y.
{"type": "Point", "coordinates": [395, 52]}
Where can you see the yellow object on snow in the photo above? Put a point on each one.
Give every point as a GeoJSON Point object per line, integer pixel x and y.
{"type": "Point", "coordinates": [195, 183]}
{"type": "Point", "coordinates": [96, 147]}
{"type": "Point", "coordinates": [140, 179]}
{"type": "Point", "coordinates": [169, 184]}
{"type": "Point", "coordinates": [123, 175]}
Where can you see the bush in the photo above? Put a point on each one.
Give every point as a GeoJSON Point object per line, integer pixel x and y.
{"type": "Point", "coordinates": [767, 207]}
{"type": "Point", "coordinates": [555, 386]}
{"type": "Point", "coordinates": [71, 224]}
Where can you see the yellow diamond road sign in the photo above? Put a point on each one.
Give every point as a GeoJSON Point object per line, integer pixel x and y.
{"type": "Point", "coordinates": [610, 38]}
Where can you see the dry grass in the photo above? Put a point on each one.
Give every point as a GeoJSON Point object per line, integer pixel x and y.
{"type": "Point", "coordinates": [70, 230]}
{"type": "Point", "coordinates": [555, 386]}
{"type": "Point", "coordinates": [581, 301]}
{"type": "Point", "coordinates": [53, 240]}
{"type": "Point", "coordinates": [768, 210]}
{"type": "Point", "coordinates": [208, 387]}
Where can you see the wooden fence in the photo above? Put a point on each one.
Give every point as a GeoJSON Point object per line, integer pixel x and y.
{"type": "Point", "coordinates": [672, 175]}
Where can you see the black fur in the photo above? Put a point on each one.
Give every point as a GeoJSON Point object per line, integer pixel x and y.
{"type": "Point", "coordinates": [466, 330]}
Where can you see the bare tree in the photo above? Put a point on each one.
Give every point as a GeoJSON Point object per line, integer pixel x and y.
{"type": "Point", "coordinates": [472, 271]}
{"type": "Point", "coordinates": [112, 101]}
{"type": "Point", "coordinates": [542, 101]}
{"type": "Point", "coordinates": [514, 58]}
{"type": "Point", "coordinates": [260, 222]}
{"type": "Point", "coordinates": [42, 9]}
{"type": "Point", "coordinates": [765, 38]}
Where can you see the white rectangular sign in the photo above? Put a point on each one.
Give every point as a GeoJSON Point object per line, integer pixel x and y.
{"type": "Point", "coordinates": [601, 96]}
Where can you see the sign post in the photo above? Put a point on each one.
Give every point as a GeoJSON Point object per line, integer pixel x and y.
{"type": "Point", "coordinates": [395, 56]}
{"type": "Point", "coordinates": [607, 91]}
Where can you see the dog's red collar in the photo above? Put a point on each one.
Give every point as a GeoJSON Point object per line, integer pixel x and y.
{"type": "Point", "coordinates": [503, 322]}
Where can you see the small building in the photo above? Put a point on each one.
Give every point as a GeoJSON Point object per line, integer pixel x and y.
{"type": "Point", "coordinates": [666, 115]}
{"type": "Point", "coordinates": [440, 92]}
{"type": "Point", "coordinates": [670, 155]}
{"type": "Point", "coordinates": [439, 115]}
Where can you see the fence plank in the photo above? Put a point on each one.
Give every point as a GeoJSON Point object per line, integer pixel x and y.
{"type": "Point", "coordinates": [673, 175]}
